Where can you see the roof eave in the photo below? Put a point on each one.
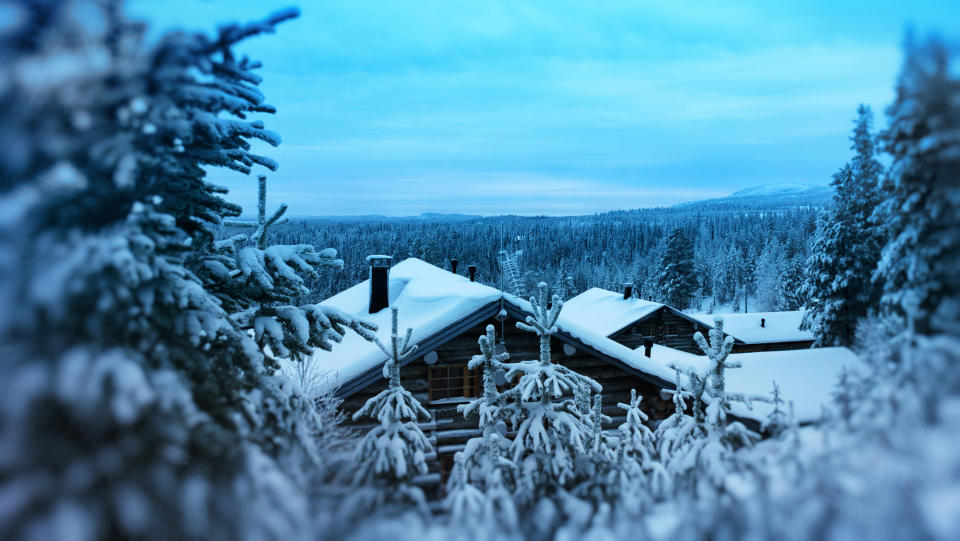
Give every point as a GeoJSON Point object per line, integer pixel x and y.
{"type": "Point", "coordinates": [424, 346]}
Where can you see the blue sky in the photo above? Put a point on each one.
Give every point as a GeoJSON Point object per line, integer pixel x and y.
{"type": "Point", "coordinates": [558, 107]}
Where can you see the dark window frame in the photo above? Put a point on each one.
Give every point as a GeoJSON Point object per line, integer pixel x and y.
{"type": "Point", "coordinates": [455, 381]}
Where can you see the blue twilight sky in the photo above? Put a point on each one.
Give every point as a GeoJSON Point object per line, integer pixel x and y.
{"type": "Point", "coordinates": [558, 107]}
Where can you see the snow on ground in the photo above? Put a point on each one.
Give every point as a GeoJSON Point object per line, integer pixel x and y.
{"type": "Point", "coordinates": [805, 376]}
{"type": "Point", "coordinates": [778, 326]}
{"type": "Point", "coordinates": [604, 312]}
{"type": "Point", "coordinates": [428, 298]}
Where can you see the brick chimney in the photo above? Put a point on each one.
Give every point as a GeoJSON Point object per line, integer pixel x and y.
{"type": "Point", "coordinates": [627, 290]}
{"type": "Point", "coordinates": [647, 347]}
{"type": "Point", "coordinates": [453, 265]}
{"type": "Point", "coordinates": [379, 282]}
{"type": "Point", "coordinates": [472, 271]}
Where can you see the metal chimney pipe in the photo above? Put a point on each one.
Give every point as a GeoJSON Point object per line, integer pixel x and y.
{"type": "Point", "coordinates": [647, 347]}
{"type": "Point", "coordinates": [379, 282]}
{"type": "Point", "coordinates": [763, 322]}
{"type": "Point", "coordinates": [453, 265]}
{"type": "Point", "coordinates": [472, 270]}
{"type": "Point", "coordinates": [627, 290]}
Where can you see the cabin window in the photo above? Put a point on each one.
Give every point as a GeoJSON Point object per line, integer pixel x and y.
{"type": "Point", "coordinates": [452, 382]}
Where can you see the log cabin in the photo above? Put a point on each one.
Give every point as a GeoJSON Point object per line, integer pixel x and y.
{"type": "Point", "coordinates": [632, 322]}
{"type": "Point", "coordinates": [638, 323]}
{"type": "Point", "coordinates": [763, 331]}
{"type": "Point", "coordinates": [449, 312]}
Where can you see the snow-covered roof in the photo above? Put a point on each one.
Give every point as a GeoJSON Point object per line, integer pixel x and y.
{"type": "Point", "coordinates": [581, 330]}
{"type": "Point", "coordinates": [778, 327]}
{"type": "Point", "coordinates": [431, 299]}
{"type": "Point", "coordinates": [428, 298]}
{"type": "Point", "coordinates": [604, 312]}
{"type": "Point", "coordinates": [805, 376]}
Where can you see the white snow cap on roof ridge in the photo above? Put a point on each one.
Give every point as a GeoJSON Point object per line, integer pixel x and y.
{"type": "Point", "coordinates": [777, 326]}
{"type": "Point", "coordinates": [428, 300]}
{"type": "Point", "coordinates": [604, 312]}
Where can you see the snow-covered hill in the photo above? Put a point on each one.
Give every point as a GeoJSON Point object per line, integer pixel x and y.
{"type": "Point", "coordinates": [769, 195]}
{"type": "Point", "coordinates": [775, 190]}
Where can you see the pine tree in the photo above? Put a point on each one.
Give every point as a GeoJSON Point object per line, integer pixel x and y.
{"type": "Point", "coordinates": [839, 289]}
{"type": "Point", "coordinates": [131, 337]}
{"type": "Point", "coordinates": [789, 287]}
{"type": "Point", "coordinates": [921, 213]}
{"type": "Point", "coordinates": [551, 430]}
{"type": "Point", "coordinates": [770, 266]}
{"type": "Point", "coordinates": [484, 456]}
{"type": "Point", "coordinates": [482, 467]}
{"type": "Point", "coordinates": [777, 421]}
{"type": "Point", "coordinates": [263, 223]}
{"type": "Point", "coordinates": [637, 456]}
{"type": "Point", "coordinates": [392, 453]}
{"type": "Point", "coordinates": [677, 278]}
{"type": "Point", "coordinates": [700, 450]}
{"type": "Point", "coordinates": [676, 435]}
{"type": "Point", "coordinates": [463, 501]}
{"type": "Point", "coordinates": [600, 478]}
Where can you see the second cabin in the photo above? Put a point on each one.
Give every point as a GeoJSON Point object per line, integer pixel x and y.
{"type": "Point", "coordinates": [637, 324]}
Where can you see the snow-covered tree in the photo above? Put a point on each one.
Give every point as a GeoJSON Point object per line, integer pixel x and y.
{"type": "Point", "coordinates": [637, 453]}
{"type": "Point", "coordinates": [263, 224]}
{"type": "Point", "coordinates": [839, 289]}
{"type": "Point", "coordinates": [778, 420]}
{"type": "Point", "coordinates": [675, 434]}
{"type": "Point", "coordinates": [676, 276]}
{"type": "Point", "coordinates": [393, 452]}
{"type": "Point", "coordinates": [717, 351]}
{"type": "Point", "coordinates": [600, 479]}
{"type": "Point", "coordinates": [700, 450]}
{"type": "Point", "coordinates": [551, 430]}
{"type": "Point", "coordinates": [770, 267]}
{"type": "Point", "coordinates": [483, 467]}
{"type": "Point", "coordinates": [483, 455]}
{"type": "Point", "coordinates": [132, 385]}
{"type": "Point", "coordinates": [921, 213]}
{"type": "Point", "coordinates": [789, 287]}
{"type": "Point", "coordinates": [463, 501]}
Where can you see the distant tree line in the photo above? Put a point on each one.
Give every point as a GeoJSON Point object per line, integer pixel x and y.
{"type": "Point", "coordinates": [694, 257]}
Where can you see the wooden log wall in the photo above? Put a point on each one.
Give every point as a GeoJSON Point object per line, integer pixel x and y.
{"type": "Point", "coordinates": [662, 327]}
{"type": "Point", "coordinates": [448, 430]}
{"type": "Point", "coordinates": [772, 346]}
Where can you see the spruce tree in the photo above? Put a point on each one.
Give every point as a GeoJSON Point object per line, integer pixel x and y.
{"type": "Point", "coordinates": [770, 267]}
{"type": "Point", "coordinates": [139, 399]}
{"type": "Point", "coordinates": [676, 277]}
{"type": "Point", "coordinates": [790, 293]}
{"type": "Point", "coordinates": [486, 455]}
{"type": "Point", "coordinates": [921, 213]}
{"type": "Point", "coordinates": [699, 450]}
{"type": "Point", "coordinates": [552, 430]}
{"type": "Point", "coordinates": [393, 452]}
{"type": "Point", "coordinates": [839, 289]}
